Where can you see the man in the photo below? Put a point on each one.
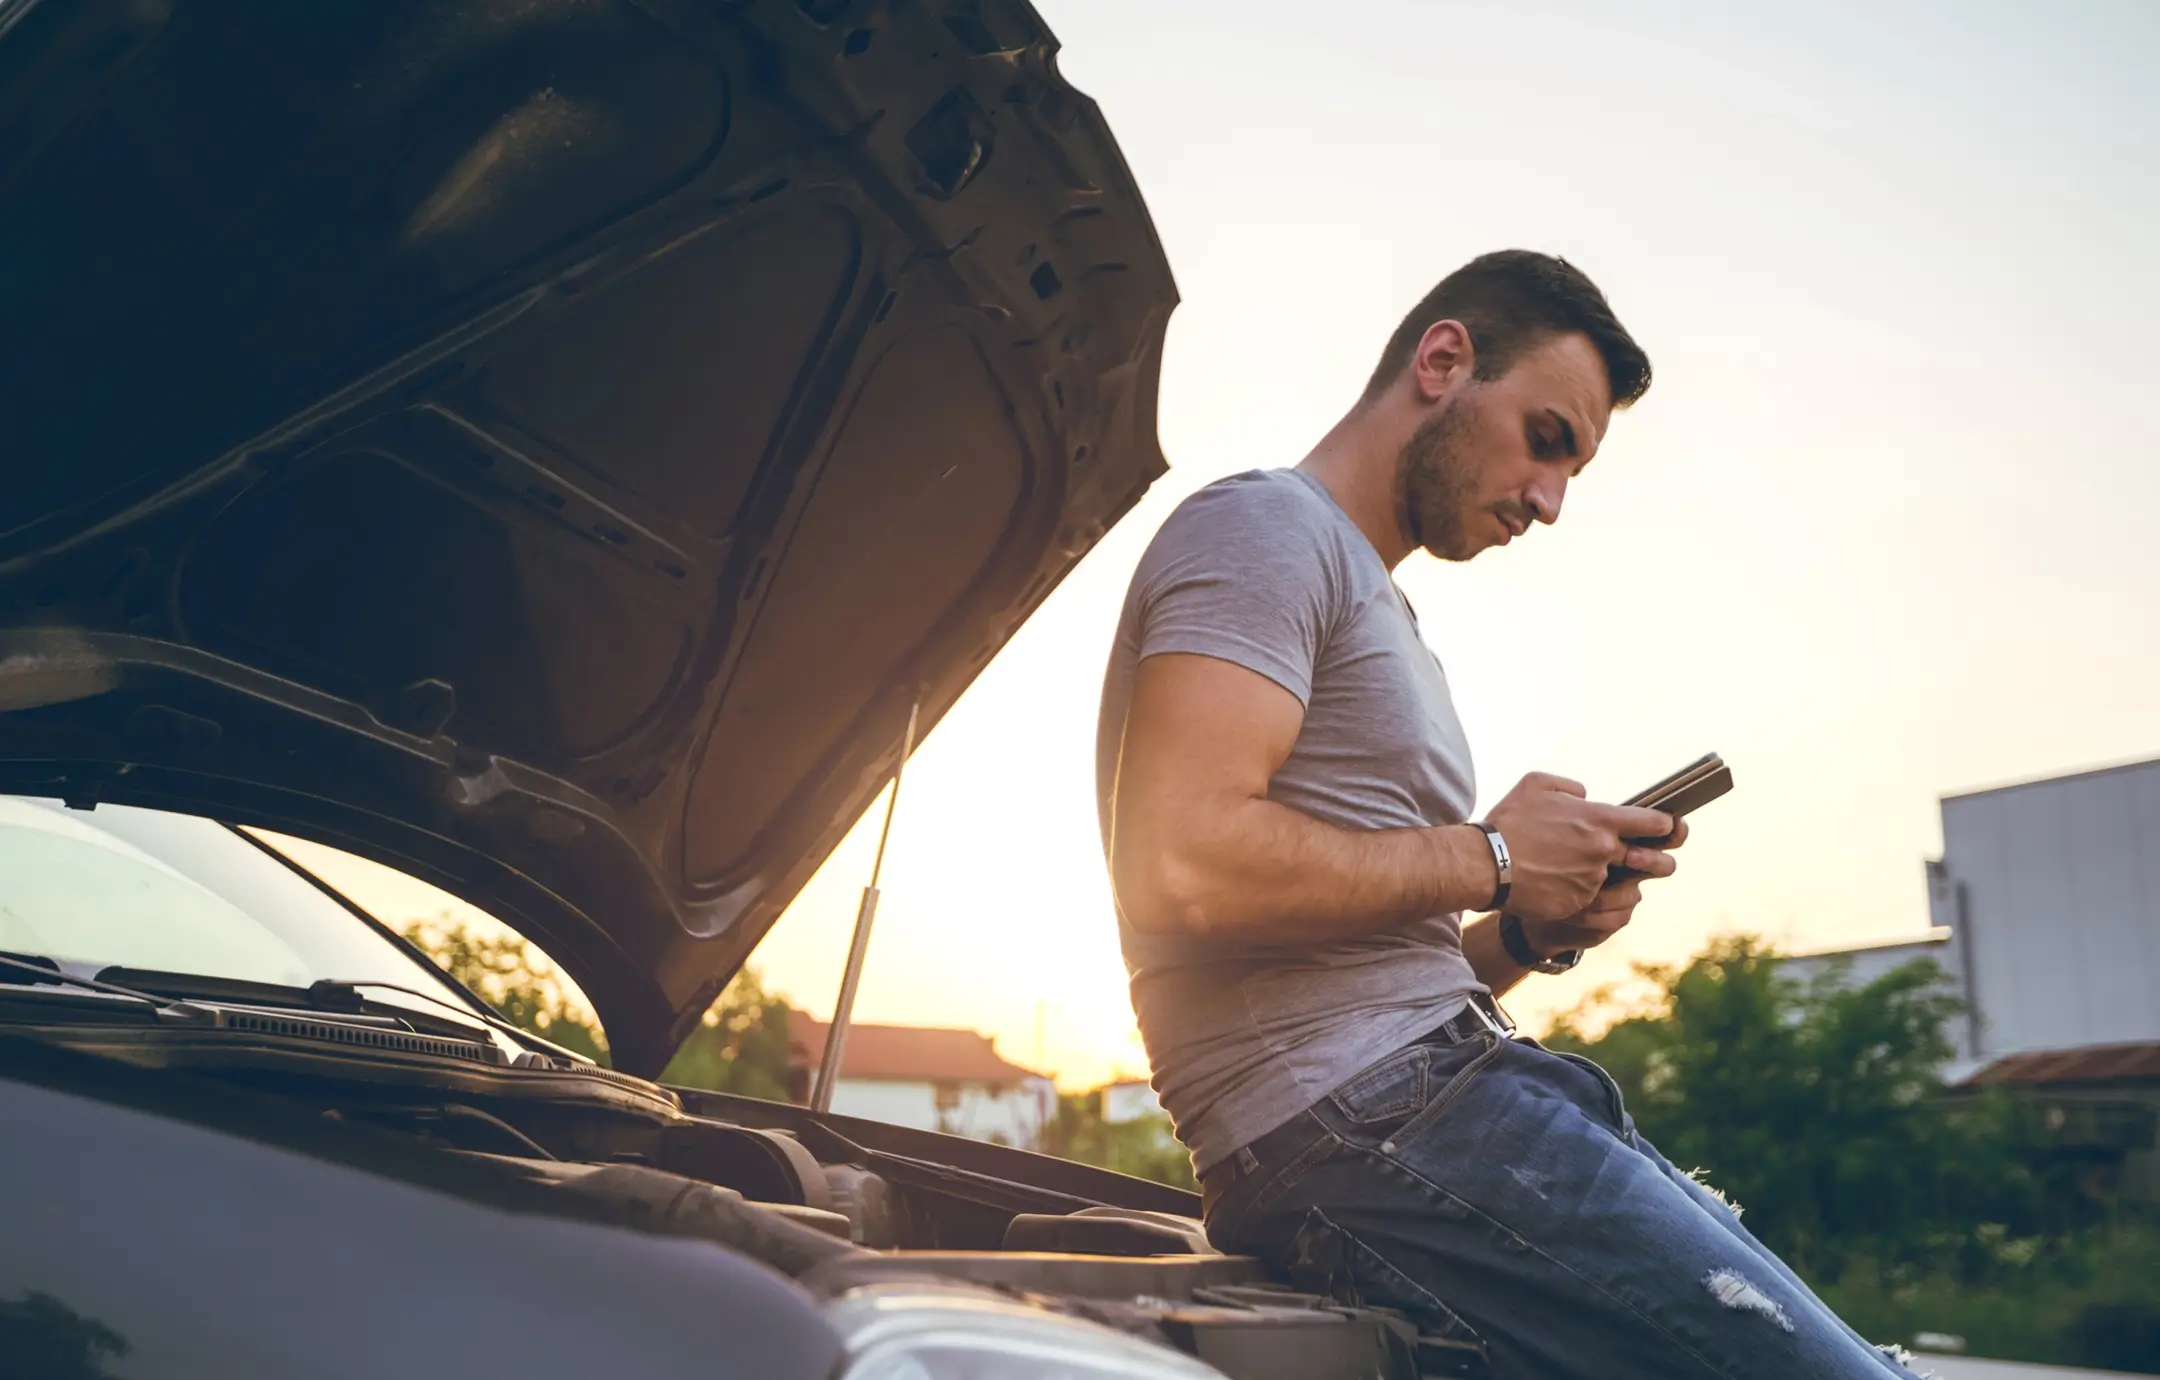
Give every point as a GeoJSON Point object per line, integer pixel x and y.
{"type": "Point", "coordinates": [1284, 790]}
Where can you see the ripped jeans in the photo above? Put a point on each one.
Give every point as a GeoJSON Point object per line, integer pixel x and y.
{"type": "Point", "coordinates": [1497, 1192]}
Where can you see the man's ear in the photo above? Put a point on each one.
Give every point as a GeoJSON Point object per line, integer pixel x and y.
{"type": "Point", "coordinates": [1445, 359]}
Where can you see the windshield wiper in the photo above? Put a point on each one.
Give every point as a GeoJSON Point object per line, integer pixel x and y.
{"type": "Point", "coordinates": [330, 997]}
{"type": "Point", "coordinates": [49, 970]}
{"type": "Point", "coordinates": [340, 996]}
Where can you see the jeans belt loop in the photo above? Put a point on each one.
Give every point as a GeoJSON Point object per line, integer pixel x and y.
{"type": "Point", "coordinates": [1225, 1174]}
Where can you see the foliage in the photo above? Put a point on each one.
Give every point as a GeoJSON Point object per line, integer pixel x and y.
{"type": "Point", "coordinates": [1820, 1108]}
{"type": "Point", "coordinates": [42, 1338]}
{"type": "Point", "coordinates": [512, 977]}
{"type": "Point", "coordinates": [741, 1046]}
{"type": "Point", "coordinates": [2088, 1298]}
{"type": "Point", "coordinates": [1142, 1147]}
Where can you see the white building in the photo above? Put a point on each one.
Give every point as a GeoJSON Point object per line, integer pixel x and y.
{"type": "Point", "coordinates": [1861, 964]}
{"type": "Point", "coordinates": [1128, 1099]}
{"type": "Point", "coordinates": [2052, 889]}
{"type": "Point", "coordinates": [2046, 914]}
{"type": "Point", "coordinates": [2046, 911]}
{"type": "Point", "coordinates": [927, 1077]}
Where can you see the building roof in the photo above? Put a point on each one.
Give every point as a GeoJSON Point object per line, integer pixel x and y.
{"type": "Point", "coordinates": [905, 1053]}
{"type": "Point", "coordinates": [1936, 935]}
{"type": "Point", "coordinates": [2089, 1064]}
{"type": "Point", "coordinates": [2107, 770]}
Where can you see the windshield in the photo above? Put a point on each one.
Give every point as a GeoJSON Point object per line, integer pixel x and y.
{"type": "Point", "coordinates": [145, 889]}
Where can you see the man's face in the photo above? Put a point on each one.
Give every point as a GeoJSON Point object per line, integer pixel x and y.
{"type": "Point", "coordinates": [1496, 455]}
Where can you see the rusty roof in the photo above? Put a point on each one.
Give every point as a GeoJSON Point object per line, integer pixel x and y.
{"type": "Point", "coordinates": [905, 1053]}
{"type": "Point", "coordinates": [2087, 1064]}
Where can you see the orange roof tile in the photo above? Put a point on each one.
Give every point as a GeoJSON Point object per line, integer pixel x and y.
{"type": "Point", "coordinates": [2090, 1064]}
{"type": "Point", "coordinates": [904, 1053]}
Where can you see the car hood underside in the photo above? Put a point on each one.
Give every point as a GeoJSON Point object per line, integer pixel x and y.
{"type": "Point", "coordinates": [547, 445]}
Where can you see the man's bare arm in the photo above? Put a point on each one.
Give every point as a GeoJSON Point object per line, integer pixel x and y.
{"type": "Point", "coordinates": [1488, 958]}
{"type": "Point", "coordinates": [1197, 847]}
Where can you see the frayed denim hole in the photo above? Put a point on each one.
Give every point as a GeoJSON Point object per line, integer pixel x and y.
{"type": "Point", "coordinates": [1318, 1261]}
{"type": "Point", "coordinates": [1899, 1356]}
{"type": "Point", "coordinates": [1743, 1295]}
{"type": "Point", "coordinates": [1700, 1177]}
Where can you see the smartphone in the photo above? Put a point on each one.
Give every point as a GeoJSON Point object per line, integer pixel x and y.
{"type": "Point", "coordinates": [1693, 786]}
{"type": "Point", "coordinates": [1690, 788]}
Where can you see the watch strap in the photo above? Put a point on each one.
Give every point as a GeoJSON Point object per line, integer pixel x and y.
{"type": "Point", "coordinates": [1516, 943]}
{"type": "Point", "coordinates": [1518, 948]}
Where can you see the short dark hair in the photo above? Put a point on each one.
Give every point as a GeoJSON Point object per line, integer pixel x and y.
{"type": "Point", "coordinates": [1511, 301]}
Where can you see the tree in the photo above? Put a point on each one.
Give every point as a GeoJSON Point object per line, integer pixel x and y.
{"type": "Point", "coordinates": [42, 1338]}
{"type": "Point", "coordinates": [741, 1046]}
{"type": "Point", "coordinates": [1142, 1147]}
{"type": "Point", "coordinates": [1818, 1107]}
{"type": "Point", "coordinates": [509, 975]}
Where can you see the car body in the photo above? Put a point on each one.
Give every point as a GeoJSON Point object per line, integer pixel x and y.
{"type": "Point", "coordinates": [549, 447]}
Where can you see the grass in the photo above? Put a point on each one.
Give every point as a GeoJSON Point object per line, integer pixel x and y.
{"type": "Point", "coordinates": [2092, 1299]}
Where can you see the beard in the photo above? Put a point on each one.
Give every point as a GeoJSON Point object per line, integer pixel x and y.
{"type": "Point", "coordinates": [1434, 481]}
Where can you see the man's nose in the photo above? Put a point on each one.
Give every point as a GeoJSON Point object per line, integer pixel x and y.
{"type": "Point", "coordinates": [1543, 501]}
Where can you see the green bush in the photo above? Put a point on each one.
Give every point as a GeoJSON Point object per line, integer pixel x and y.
{"type": "Point", "coordinates": [740, 1047]}
{"type": "Point", "coordinates": [512, 977]}
{"type": "Point", "coordinates": [1820, 1109]}
{"type": "Point", "coordinates": [2091, 1298]}
{"type": "Point", "coordinates": [1142, 1147]}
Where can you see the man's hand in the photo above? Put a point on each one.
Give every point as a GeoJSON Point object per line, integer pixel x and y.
{"type": "Point", "coordinates": [1561, 843]}
{"type": "Point", "coordinates": [1609, 913]}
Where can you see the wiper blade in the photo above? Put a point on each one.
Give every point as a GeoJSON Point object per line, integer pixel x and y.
{"type": "Point", "coordinates": [48, 970]}
{"type": "Point", "coordinates": [332, 997]}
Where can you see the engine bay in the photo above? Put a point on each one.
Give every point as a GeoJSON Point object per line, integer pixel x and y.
{"type": "Point", "coordinates": [836, 1203]}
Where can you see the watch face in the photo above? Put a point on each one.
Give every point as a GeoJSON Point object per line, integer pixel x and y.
{"type": "Point", "coordinates": [1561, 962]}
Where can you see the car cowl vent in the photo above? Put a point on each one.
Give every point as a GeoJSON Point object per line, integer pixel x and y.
{"type": "Point", "coordinates": [360, 1036]}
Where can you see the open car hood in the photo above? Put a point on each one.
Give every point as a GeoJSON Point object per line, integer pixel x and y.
{"type": "Point", "coordinates": [547, 445]}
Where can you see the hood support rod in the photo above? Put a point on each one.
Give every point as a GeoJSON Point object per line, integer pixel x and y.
{"type": "Point", "coordinates": [836, 1034]}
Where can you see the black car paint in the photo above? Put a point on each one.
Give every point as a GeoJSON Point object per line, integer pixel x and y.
{"type": "Point", "coordinates": [547, 445]}
{"type": "Point", "coordinates": [212, 1233]}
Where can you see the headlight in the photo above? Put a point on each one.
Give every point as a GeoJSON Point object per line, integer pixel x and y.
{"type": "Point", "coordinates": [938, 1332]}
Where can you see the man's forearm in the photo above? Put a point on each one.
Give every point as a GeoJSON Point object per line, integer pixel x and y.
{"type": "Point", "coordinates": [1267, 873]}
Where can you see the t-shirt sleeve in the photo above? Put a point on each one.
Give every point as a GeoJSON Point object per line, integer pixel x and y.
{"type": "Point", "coordinates": [1244, 572]}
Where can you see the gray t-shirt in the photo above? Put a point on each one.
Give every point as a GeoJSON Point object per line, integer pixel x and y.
{"type": "Point", "coordinates": [1264, 570]}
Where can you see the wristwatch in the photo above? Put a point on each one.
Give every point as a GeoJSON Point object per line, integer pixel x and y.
{"type": "Point", "coordinates": [1518, 948]}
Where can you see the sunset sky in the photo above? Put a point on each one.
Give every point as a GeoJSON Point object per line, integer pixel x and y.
{"type": "Point", "coordinates": [1883, 529]}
